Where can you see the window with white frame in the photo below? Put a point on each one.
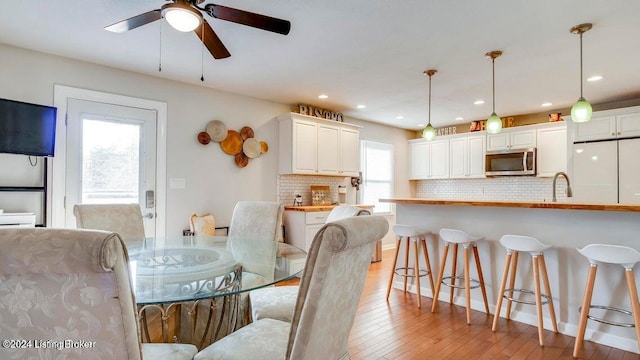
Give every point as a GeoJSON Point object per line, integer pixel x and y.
{"type": "Point", "coordinates": [377, 174]}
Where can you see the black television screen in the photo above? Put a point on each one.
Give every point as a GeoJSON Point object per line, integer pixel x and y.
{"type": "Point", "coordinates": [27, 129]}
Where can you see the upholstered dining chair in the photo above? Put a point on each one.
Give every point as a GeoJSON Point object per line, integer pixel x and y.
{"type": "Point", "coordinates": [253, 235]}
{"type": "Point", "coordinates": [278, 302]}
{"type": "Point", "coordinates": [123, 219]}
{"type": "Point", "coordinates": [69, 293]}
{"type": "Point", "coordinates": [330, 289]}
{"type": "Point", "coordinates": [202, 225]}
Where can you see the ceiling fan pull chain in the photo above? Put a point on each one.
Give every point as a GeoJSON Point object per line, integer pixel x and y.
{"type": "Point", "coordinates": [160, 50]}
{"type": "Point", "coordinates": [202, 54]}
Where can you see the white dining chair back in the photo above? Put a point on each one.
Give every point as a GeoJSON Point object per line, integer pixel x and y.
{"type": "Point", "coordinates": [59, 285]}
{"type": "Point", "coordinates": [124, 219]}
{"type": "Point", "coordinates": [330, 289]}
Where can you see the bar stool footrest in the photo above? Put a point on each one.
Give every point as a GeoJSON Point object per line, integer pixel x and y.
{"type": "Point", "coordinates": [411, 272]}
{"type": "Point", "coordinates": [609, 322]}
{"type": "Point", "coordinates": [545, 298]}
{"type": "Point", "coordinates": [449, 284]}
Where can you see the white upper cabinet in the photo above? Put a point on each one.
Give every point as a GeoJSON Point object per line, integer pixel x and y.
{"type": "Point", "coordinates": [477, 145]}
{"type": "Point", "coordinates": [466, 156]}
{"type": "Point", "coordinates": [429, 160]}
{"type": "Point", "coordinates": [305, 147]}
{"type": "Point", "coordinates": [439, 159]}
{"type": "Point", "coordinates": [419, 152]}
{"type": "Point", "coordinates": [350, 150]}
{"type": "Point", "coordinates": [610, 124]}
{"type": "Point", "coordinates": [552, 149]}
{"type": "Point", "coordinates": [311, 145]}
{"type": "Point", "coordinates": [512, 139]}
{"type": "Point", "coordinates": [328, 149]}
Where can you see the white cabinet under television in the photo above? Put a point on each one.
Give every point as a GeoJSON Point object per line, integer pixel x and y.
{"type": "Point", "coordinates": [17, 220]}
{"type": "Point", "coordinates": [316, 146]}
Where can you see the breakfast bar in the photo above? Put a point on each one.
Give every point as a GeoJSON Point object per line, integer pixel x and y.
{"type": "Point", "coordinates": [565, 226]}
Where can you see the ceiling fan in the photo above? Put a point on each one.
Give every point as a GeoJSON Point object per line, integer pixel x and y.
{"type": "Point", "coordinates": [186, 15]}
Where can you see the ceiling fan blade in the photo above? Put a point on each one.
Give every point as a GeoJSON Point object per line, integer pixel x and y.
{"type": "Point", "coordinates": [134, 22]}
{"type": "Point", "coordinates": [211, 41]}
{"type": "Point", "coordinates": [248, 18]}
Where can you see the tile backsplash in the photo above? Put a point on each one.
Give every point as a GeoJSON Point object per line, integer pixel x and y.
{"type": "Point", "coordinates": [290, 185]}
{"type": "Point", "coordinates": [509, 188]}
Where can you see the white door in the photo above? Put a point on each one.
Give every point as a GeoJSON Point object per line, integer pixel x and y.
{"type": "Point", "coordinates": [110, 157]}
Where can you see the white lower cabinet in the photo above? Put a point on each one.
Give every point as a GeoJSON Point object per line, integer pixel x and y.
{"type": "Point", "coordinates": [301, 227]}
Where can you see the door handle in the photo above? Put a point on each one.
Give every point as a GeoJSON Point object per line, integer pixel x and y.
{"type": "Point", "coordinates": [148, 216]}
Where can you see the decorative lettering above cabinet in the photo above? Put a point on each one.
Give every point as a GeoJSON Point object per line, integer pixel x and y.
{"type": "Point", "coordinates": [315, 146]}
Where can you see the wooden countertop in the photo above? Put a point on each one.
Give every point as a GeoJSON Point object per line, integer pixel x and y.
{"type": "Point", "coordinates": [312, 208]}
{"type": "Point", "coordinates": [518, 204]}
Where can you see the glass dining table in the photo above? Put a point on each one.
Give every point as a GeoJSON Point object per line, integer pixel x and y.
{"type": "Point", "coordinates": [203, 281]}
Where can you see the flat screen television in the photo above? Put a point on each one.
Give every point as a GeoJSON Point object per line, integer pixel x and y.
{"type": "Point", "coordinates": [27, 129]}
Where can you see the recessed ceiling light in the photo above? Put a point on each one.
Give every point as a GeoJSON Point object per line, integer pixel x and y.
{"type": "Point", "coordinates": [399, 117]}
{"type": "Point", "coordinates": [478, 102]}
{"type": "Point", "coordinates": [361, 106]}
{"type": "Point", "coordinates": [323, 96]}
{"type": "Point", "coordinates": [595, 78]}
{"type": "Point", "coordinates": [459, 118]}
{"type": "Point", "coordinates": [546, 104]}
{"type": "Point", "coordinates": [420, 125]}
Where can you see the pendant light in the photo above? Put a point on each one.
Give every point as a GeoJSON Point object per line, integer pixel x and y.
{"type": "Point", "coordinates": [581, 110]}
{"type": "Point", "coordinates": [494, 123]}
{"type": "Point", "coordinates": [429, 131]}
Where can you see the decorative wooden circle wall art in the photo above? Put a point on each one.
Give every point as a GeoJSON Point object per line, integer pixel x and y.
{"type": "Point", "coordinates": [242, 144]}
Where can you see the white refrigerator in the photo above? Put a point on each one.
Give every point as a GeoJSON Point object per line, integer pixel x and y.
{"type": "Point", "coordinates": [607, 172]}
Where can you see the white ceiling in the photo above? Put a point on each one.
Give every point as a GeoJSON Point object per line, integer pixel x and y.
{"type": "Point", "coordinates": [370, 52]}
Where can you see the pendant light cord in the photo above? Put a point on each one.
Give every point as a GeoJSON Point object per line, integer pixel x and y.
{"type": "Point", "coordinates": [581, 81]}
{"type": "Point", "coordinates": [493, 75]}
{"type": "Point", "coordinates": [429, 100]}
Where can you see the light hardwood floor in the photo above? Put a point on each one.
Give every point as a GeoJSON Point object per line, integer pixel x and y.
{"type": "Point", "coordinates": [399, 330]}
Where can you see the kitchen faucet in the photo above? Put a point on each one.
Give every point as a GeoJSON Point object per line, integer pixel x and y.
{"type": "Point", "coordinates": [555, 177]}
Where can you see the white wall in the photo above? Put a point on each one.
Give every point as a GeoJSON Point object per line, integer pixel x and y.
{"type": "Point", "coordinates": [400, 140]}
{"type": "Point", "coordinates": [213, 182]}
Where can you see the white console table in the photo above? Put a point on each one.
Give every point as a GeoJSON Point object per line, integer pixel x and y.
{"type": "Point", "coordinates": [15, 220]}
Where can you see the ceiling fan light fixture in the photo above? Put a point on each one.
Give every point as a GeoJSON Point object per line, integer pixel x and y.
{"type": "Point", "coordinates": [181, 16]}
{"type": "Point", "coordinates": [581, 111]}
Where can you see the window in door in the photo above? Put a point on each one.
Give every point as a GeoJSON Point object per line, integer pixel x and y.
{"type": "Point", "coordinates": [377, 174]}
{"type": "Point", "coordinates": [110, 161]}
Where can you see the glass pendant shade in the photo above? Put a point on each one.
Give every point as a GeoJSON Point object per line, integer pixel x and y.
{"type": "Point", "coordinates": [182, 18]}
{"type": "Point", "coordinates": [581, 111]}
{"type": "Point", "coordinates": [494, 124]}
{"type": "Point", "coordinates": [429, 132]}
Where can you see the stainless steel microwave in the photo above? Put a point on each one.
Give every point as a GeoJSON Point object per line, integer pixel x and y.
{"type": "Point", "coordinates": [511, 162]}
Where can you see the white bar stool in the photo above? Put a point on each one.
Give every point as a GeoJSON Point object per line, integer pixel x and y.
{"type": "Point", "coordinates": [612, 254]}
{"type": "Point", "coordinates": [459, 237]}
{"type": "Point", "coordinates": [410, 233]}
{"type": "Point", "coordinates": [514, 244]}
